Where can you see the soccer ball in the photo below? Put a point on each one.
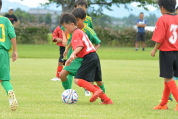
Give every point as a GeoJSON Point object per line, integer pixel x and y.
{"type": "Point", "coordinates": [69, 96]}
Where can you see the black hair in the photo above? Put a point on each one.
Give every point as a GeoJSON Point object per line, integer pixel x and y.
{"type": "Point", "coordinates": [169, 5]}
{"type": "Point", "coordinates": [141, 13]}
{"type": "Point", "coordinates": [0, 4]}
{"type": "Point", "coordinates": [79, 13]}
{"type": "Point", "coordinates": [82, 3]}
{"type": "Point", "coordinates": [67, 18]}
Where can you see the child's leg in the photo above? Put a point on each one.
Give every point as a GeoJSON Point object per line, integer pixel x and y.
{"type": "Point", "coordinates": [6, 85]}
{"type": "Point", "coordinates": [70, 79]}
{"type": "Point", "coordinates": [173, 88]}
{"type": "Point", "coordinates": [59, 69]}
{"type": "Point", "coordinates": [65, 82]}
{"type": "Point", "coordinates": [101, 85]}
{"type": "Point", "coordinates": [166, 93]}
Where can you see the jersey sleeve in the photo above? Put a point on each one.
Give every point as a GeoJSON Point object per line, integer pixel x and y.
{"type": "Point", "coordinates": [15, 18]}
{"type": "Point", "coordinates": [93, 37]}
{"type": "Point", "coordinates": [10, 29]}
{"type": "Point", "coordinates": [55, 34]}
{"type": "Point", "coordinates": [160, 31]}
{"type": "Point", "coordinates": [91, 24]}
{"type": "Point", "coordinates": [77, 40]}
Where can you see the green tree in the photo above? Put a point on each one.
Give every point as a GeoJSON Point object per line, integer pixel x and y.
{"type": "Point", "coordinates": [48, 19]}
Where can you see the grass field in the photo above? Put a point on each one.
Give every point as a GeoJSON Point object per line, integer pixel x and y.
{"type": "Point", "coordinates": [133, 85]}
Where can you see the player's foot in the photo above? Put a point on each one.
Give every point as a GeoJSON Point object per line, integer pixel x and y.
{"type": "Point", "coordinates": [107, 102]}
{"type": "Point", "coordinates": [96, 94]}
{"type": "Point", "coordinates": [143, 49]}
{"type": "Point", "coordinates": [170, 99]}
{"type": "Point", "coordinates": [12, 100]}
{"type": "Point", "coordinates": [55, 79]}
{"type": "Point", "coordinates": [136, 49]}
{"type": "Point", "coordinates": [87, 93]}
{"type": "Point", "coordinates": [159, 107]}
{"type": "Point", "coordinates": [176, 109]}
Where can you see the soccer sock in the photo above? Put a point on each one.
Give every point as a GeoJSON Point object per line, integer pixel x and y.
{"type": "Point", "coordinates": [103, 96]}
{"type": "Point", "coordinates": [86, 85]}
{"type": "Point", "coordinates": [170, 96]}
{"type": "Point", "coordinates": [102, 88]}
{"type": "Point", "coordinates": [59, 69]}
{"type": "Point", "coordinates": [166, 93]}
{"type": "Point", "coordinates": [66, 84]}
{"type": "Point", "coordinates": [6, 85]}
{"type": "Point", "coordinates": [173, 88]}
{"type": "Point", "coordinates": [70, 79]}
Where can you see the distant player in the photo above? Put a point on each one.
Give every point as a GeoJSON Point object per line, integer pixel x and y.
{"type": "Point", "coordinates": [57, 37]}
{"type": "Point", "coordinates": [84, 5]}
{"type": "Point", "coordinates": [141, 24]}
{"type": "Point", "coordinates": [80, 15]}
{"type": "Point", "coordinates": [90, 68]}
{"type": "Point", "coordinates": [7, 36]}
{"type": "Point", "coordinates": [166, 38]}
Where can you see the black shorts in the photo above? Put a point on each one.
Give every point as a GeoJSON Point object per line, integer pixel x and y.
{"type": "Point", "coordinates": [90, 69]}
{"type": "Point", "coordinates": [140, 36]}
{"type": "Point", "coordinates": [61, 51]}
{"type": "Point", "coordinates": [168, 61]}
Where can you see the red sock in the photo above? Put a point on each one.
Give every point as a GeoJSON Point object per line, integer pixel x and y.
{"type": "Point", "coordinates": [86, 85]}
{"type": "Point", "coordinates": [103, 96]}
{"type": "Point", "coordinates": [173, 88]}
{"type": "Point", "coordinates": [166, 93]}
{"type": "Point", "coordinates": [59, 69]}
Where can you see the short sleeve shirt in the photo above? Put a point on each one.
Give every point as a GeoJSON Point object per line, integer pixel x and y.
{"type": "Point", "coordinates": [141, 29]}
{"type": "Point", "coordinates": [166, 32]}
{"type": "Point", "coordinates": [80, 39]}
{"type": "Point", "coordinates": [12, 18]}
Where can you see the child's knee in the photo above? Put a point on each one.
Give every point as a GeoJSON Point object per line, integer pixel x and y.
{"type": "Point", "coordinates": [76, 81]}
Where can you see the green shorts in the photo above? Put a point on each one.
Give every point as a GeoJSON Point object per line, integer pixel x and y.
{"type": "Point", "coordinates": [74, 66]}
{"type": "Point", "coordinates": [4, 65]}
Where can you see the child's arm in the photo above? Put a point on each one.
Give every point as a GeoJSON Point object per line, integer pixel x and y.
{"type": "Point", "coordinates": [73, 55]}
{"type": "Point", "coordinates": [14, 53]}
{"type": "Point", "coordinates": [67, 49]}
{"type": "Point", "coordinates": [97, 46]}
{"type": "Point", "coordinates": [64, 41]}
{"type": "Point", "coordinates": [153, 52]}
{"type": "Point", "coordinates": [55, 36]}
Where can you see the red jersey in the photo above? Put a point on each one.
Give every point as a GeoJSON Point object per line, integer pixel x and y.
{"type": "Point", "coordinates": [57, 33]}
{"type": "Point", "coordinates": [166, 32]}
{"type": "Point", "coordinates": [79, 38]}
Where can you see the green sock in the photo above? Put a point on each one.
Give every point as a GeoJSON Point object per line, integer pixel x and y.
{"type": "Point", "coordinates": [70, 79]}
{"type": "Point", "coordinates": [170, 96]}
{"type": "Point", "coordinates": [103, 88]}
{"type": "Point", "coordinates": [65, 85]}
{"type": "Point", "coordinates": [6, 85]}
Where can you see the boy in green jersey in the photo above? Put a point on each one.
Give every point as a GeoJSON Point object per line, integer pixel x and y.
{"type": "Point", "coordinates": [7, 36]}
{"type": "Point", "coordinates": [80, 15]}
{"type": "Point", "coordinates": [84, 5]}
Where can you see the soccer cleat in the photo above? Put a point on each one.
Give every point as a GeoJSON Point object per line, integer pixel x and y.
{"type": "Point", "coordinates": [107, 102]}
{"type": "Point", "coordinates": [55, 79]}
{"type": "Point", "coordinates": [159, 107]}
{"type": "Point", "coordinates": [170, 99]}
{"type": "Point", "coordinates": [12, 100]}
{"type": "Point", "coordinates": [176, 108]}
{"type": "Point", "coordinates": [87, 93]}
{"type": "Point", "coordinates": [143, 49]}
{"type": "Point", "coordinates": [96, 94]}
{"type": "Point", "coordinates": [136, 49]}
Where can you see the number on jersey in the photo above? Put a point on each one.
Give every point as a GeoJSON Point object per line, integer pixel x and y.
{"type": "Point", "coordinates": [87, 43]}
{"type": "Point", "coordinates": [174, 36]}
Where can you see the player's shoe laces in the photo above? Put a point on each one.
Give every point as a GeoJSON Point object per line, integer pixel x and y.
{"type": "Point", "coordinates": [176, 107]}
{"type": "Point", "coordinates": [55, 79]}
{"type": "Point", "coordinates": [160, 107]}
{"type": "Point", "coordinates": [107, 102]}
{"type": "Point", "coordinates": [96, 94]}
{"type": "Point", "coordinates": [87, 93]}
{"type": "Point", "coordinates": [12, 100]}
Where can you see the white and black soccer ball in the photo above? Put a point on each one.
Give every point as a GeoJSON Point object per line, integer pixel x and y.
{"type": "Point", "coordinates": [69, 96]}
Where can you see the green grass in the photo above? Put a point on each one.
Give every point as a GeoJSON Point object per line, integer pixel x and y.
{"type": "Point", "coordinates": [133, 85]}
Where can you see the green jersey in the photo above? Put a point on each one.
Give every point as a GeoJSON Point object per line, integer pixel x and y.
{"type": "Point", "coordinates": [6, 33]}
{"type": "Point", "coordinates": [88, 21]}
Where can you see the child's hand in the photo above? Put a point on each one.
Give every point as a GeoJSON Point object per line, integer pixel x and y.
{"type": "Point", "coordinates": [72, 57]}
{"type": "Point", "coordinates": [59, 40]}
{"type": "Point", "coordinates": [65, 53]}
{"type": "Point", "coordinates": [153, 52]}
{"type": "Point", "coordinates": [14, 56]}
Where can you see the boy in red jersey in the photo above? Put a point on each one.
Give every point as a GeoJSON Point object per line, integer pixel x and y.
{"type": "Point", "coordinates": [57, 37]}
{"type": "Point", "coordinates": [90, 68]}
{"type": "Point", "coordinates": [166, 38]}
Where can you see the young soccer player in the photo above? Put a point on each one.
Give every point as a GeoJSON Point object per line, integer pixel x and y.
{"type": "Point", "coordinates": [84, 5]}
{"type": "Point", "coordinates": [90, 68]}
{"type": "Point", "coordinates": [80, 15]}
{"type": "Point", "coordinates": [166, 38]}
{"type": "Point", "coordinates": [57, 37]}
{"type": "Point", "coordinates": [7, 36]}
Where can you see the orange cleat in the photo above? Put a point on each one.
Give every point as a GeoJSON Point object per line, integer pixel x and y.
{"type": "Point", "coordinates": [176, 107]}
{"type": "Point", "coordinates": [107, 102]}
{"type": "Point", "coordinates": [96, 94]}
{"type": "Point", "coordinates": [159, 107]}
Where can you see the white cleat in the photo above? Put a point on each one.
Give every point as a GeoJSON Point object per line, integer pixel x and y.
{"type": "Point", "coordinates": [12, 100]}
{"type": "Point", "coordinates": [55, 79]}
{"type": "Point", "coordinates": [87, 93]}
